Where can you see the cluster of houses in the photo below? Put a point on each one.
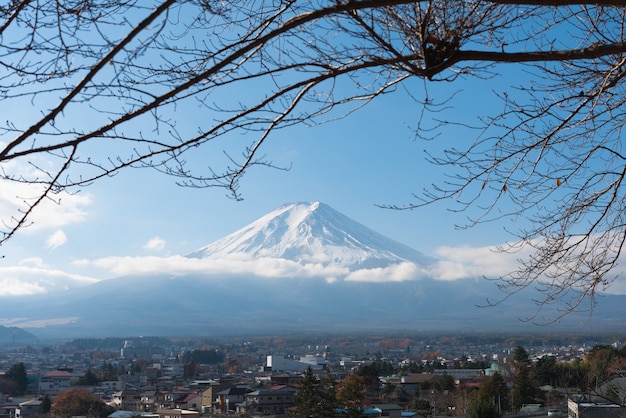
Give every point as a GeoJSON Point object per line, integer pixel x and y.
{"type": "Point", "coordinates": [166, 395]}
{"type": "Point", "coordinates": [161, 392]}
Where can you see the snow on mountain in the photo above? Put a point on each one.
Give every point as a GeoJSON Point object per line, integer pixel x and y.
{"type": "Point", "coordinates": [313, 233]}
{"type": "Point", "coordinates": [386, 287]}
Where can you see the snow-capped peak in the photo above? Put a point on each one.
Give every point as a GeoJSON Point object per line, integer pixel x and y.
{"type": "Point", "coordinates": [312, 233]}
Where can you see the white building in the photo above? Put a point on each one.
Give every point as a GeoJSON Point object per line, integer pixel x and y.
{"type": "Point", "coordinates": [282, 364]}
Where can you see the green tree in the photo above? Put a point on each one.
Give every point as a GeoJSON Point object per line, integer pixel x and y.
{"type": "Point", "coordinates": [369, 372]}
{"type": "Point", "coordinates": [45, 406]}
{"type": "Point", "coordinates": [204, 356]}
{"type": "Point", "coordinates": [315, 397]}
{"type": "Point", "coordinates": [446, 382]}
{"type": "Point", "coordinates": [546, 371]}
{"type": "Point", "coordinates": [88, 379]}
{"type": "Point", "coordinates": [17, 375]}
{"type": "Point", "coordinates": [520, 355]}
{"type": "Point", "coordinates": [110, 372]}
{"type": "Point", "coordinates": [481, 408]}
{"type": "Point", "coordinates": [523, 390]}
{"type": "Point", "coordinates": [493, 390]}
{"type": "Point", "coordinates": [328, 388]}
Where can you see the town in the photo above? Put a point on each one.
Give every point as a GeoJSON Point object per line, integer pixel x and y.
{"type": "Point", "coordinates": [317, 376]}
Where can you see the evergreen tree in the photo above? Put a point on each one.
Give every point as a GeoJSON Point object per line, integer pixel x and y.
{"type": "Point", "coordinates": [520, 355]}
{"type": "Point", "coordinates": [546, 371]}
{"type": "Point", "coordinates": [494, 390]}
{"type": "Point", "coordinates": [315, 397]}
{"type": "Point", "coordinates": [523, 389]}
{"type": "Point", "coordinates": [328, 392]}
{"type": "Point", "coordinates": [46, 405]}
{"type": "Point", "coordinates": [88, 379]}
{"type": "Point", "coordinates": [17, 375]}
{"type": "Point", "coordinates": [370, 375]}
{"type": "Point", "coordinates": [446, 382]}
{"type": "Point", "coordinates": [483, 409]}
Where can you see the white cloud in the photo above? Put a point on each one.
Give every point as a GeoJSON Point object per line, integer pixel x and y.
{"type": "Point", "coordinates": [154, 244]}
{"type": "Point", "coordinates": [31, 276]}
{"type": "Point", "coordinates": [57, 239]}
{"type": "Point", "coordinates": [60, 210]}
{"type": "Point", "coordinates": [179, 265]}
{"type": "Point", "coordinates": [395, 273]}
{"type": "Point", "coordinates": [263, 267]}
{"type": "Point", "coordinates": [33, 262]}
{"type": "Point", "coordinates": [618, 285]}
{"type": "Point", "coordinates": [15, 286]}
{"type": "Point", "coordinates": [456, 263]}
{"type": "Point", "coordinates": [38, 323]}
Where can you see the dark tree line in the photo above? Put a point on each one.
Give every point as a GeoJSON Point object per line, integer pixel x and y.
{"type": "Point", "coordinates": [203, 356]}
{"type": "Point", "coordinates": [579, 377]}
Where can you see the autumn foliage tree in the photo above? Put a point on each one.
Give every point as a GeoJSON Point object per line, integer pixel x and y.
{"type": "Point", "coordinates": [352, 394]}
{"type": "Point", "coordinates": [107, 85]}
{"type": "Point", "coordinates": [79, 402]}
{"type": "Point", "coordinates": [603, 363]}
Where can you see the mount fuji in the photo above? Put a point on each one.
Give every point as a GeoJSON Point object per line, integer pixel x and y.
{"type": "Point", "coordinates": [303, 267]}
{"type": "Point", "coordinates": [313, 233]}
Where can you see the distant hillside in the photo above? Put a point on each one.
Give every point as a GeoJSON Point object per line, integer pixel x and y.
{"type": "Point", "coordinates": [13, 335]}
{"type": "Point", "coordinates": [301, 268]}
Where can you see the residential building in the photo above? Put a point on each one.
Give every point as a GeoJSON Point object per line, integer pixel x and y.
{"type": "Point", "coordinates": [28, 408]}
{"type": "Point", "coordinates": [56, 381]}
{"type": "Point", "coordinates": [384, 410]}
{"type": "Point", "coordinates": [228, 399]}
{"type": "Point", "coordinates": [268, 401]}
{"type": "Point", "coordinates": [583, 409]}
{"type": "Point", "coordinates": [209, 396]}
{"type": "Point", "coordinates": [151, 400]}
{"type": "Point", "coordinates": [129, 400]}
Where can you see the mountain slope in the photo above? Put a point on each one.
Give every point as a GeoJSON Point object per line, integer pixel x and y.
{"type": "Point", "coordinates": [251, 301]}
{"type": "Point", "coordinates": [313, 233]}
{"type": "Point", "coordinates": [235, 305]}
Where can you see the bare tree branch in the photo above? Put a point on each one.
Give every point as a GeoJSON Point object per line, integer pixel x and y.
{"type": "Point", "coordinates": [107, 79]}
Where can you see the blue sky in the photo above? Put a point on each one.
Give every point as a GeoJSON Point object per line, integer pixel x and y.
{"type": "Point", "coordinates": [140, 220]}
